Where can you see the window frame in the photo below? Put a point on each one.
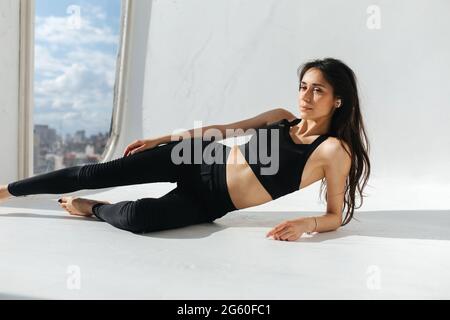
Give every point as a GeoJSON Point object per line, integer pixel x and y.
{"type": "Point", "coordinates": [26, 86]}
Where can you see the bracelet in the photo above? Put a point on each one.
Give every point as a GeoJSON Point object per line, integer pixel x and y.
{"type": "Point", "coordinates": [315, 221]}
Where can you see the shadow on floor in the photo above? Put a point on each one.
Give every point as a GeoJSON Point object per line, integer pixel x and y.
{"type": "Point", "coordinates": [406, 224]}
{"type": "Point", "coordinates": [47, 201]}
{"type": "Point", "coordinates": [401, 224]}
{"type": "Point", "coordinates": [6, 296]}
{"type": "Point", "coordinates": [48, 216]}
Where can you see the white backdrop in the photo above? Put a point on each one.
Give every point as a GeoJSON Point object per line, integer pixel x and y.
{"type": "Point", "coordinates": [222, 61]}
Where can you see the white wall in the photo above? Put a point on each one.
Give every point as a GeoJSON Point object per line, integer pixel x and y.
{"type": "Point", "coordinates": [132, 120]}
{"type": "Point", "coordinates": [222, 61]}
{"type": "Point", "coordinates": [9, 84]}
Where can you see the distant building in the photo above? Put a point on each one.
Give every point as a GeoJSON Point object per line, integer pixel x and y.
{"type": "Point", "coordinates": [80, 136]}
{"type": "Point", "coordinates": [44, 142]}
{"type": "Point", "coordinates": [46, 135]}
{"type": "Point", "coordinates": [51, 152]}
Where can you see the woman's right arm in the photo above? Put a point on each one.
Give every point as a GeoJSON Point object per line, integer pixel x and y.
{"type": "Point", "coordinates": [226, 131]}
{"type": "Point", "coordinates": [231, 129]}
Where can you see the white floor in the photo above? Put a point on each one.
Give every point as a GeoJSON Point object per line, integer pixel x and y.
{"type": "Point", "coordinates": [387, 254]}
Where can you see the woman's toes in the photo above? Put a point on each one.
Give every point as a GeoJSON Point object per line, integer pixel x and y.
{"type": "Point", "coordinates": [64, 199]}
{"type": "Point", "coordinates": [79, 206]}
{"type": "Point", "coordinates": [64, 206]}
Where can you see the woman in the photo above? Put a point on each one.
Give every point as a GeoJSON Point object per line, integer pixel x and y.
{"type": "Point", "coordinates": [325, 143]}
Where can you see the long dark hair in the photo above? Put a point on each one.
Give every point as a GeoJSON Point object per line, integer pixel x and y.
{"type": "Point", "coordinates": [346, 125]}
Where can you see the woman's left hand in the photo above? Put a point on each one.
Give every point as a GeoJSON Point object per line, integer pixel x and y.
{"type": "Point", "coordinates": [289, 230]}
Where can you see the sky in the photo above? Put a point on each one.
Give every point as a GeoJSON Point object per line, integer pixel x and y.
{"type": "Point", "coordinates": [76, 46]}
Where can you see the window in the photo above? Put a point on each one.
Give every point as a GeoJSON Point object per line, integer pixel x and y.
{"type": "Point", "coordinates": [76, 78]}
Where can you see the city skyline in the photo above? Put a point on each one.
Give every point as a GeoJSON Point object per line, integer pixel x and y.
{"type": "Point", "coordinates": [71, 134]}
{"type": "Point", "coordinates": [53, 151]}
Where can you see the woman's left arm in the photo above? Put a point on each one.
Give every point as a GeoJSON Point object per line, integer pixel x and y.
{"type": "Point", "coordinates": [336, 170]}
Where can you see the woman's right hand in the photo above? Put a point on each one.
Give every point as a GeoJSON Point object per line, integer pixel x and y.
{"type": "Point", "coordinates": [140, 145]}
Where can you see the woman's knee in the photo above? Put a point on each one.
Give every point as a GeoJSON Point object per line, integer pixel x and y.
{"type": "Point", "coordinates": [171, 211]}
{"type": "Point", "coordinates": [132, 218]}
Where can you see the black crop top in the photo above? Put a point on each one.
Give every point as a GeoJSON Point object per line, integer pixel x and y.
{"type": "Point", "coordinates": [280, 174]}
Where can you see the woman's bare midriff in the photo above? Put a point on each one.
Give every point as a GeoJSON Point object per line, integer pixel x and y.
{"type": "Point", "coordinates": [247, 191]}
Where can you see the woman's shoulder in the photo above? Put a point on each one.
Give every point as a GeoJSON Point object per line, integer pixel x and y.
{"type": "Point", "coordinates": [335, 148]}
{"type": "Point", "coordinates": [289, 116]}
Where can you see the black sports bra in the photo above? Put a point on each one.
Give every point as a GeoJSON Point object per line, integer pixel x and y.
{"type": "Point", "coordinates": [279, 175]}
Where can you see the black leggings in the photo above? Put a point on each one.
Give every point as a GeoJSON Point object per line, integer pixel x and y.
{"type": "Point", "coordinates": [201, 194]}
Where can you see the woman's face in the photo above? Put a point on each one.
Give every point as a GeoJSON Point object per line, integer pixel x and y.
{"type": "Point", "coordinates": [315, 97]}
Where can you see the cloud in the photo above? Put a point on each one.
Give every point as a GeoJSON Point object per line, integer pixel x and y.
{"type": "Point", "coordinates": [86, 80]}
{"type": "Point", "coordinates": [46, 65]}
{"type": "Point", "coordinates": [60, 31]}
{"type": "Point", "coordinates": [94, 11]}
{"type": "Point", "coordinates": [100, 63]}
{"type": "Point", "coordinates": [87, 25]}
{"type": "Point", "coordinates": [75, 72]}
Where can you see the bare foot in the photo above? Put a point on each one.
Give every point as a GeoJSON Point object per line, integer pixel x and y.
{"type": "Point", "coordinates": [79, 206]}
{"type": "Point", "coordinates": [4, 194]}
